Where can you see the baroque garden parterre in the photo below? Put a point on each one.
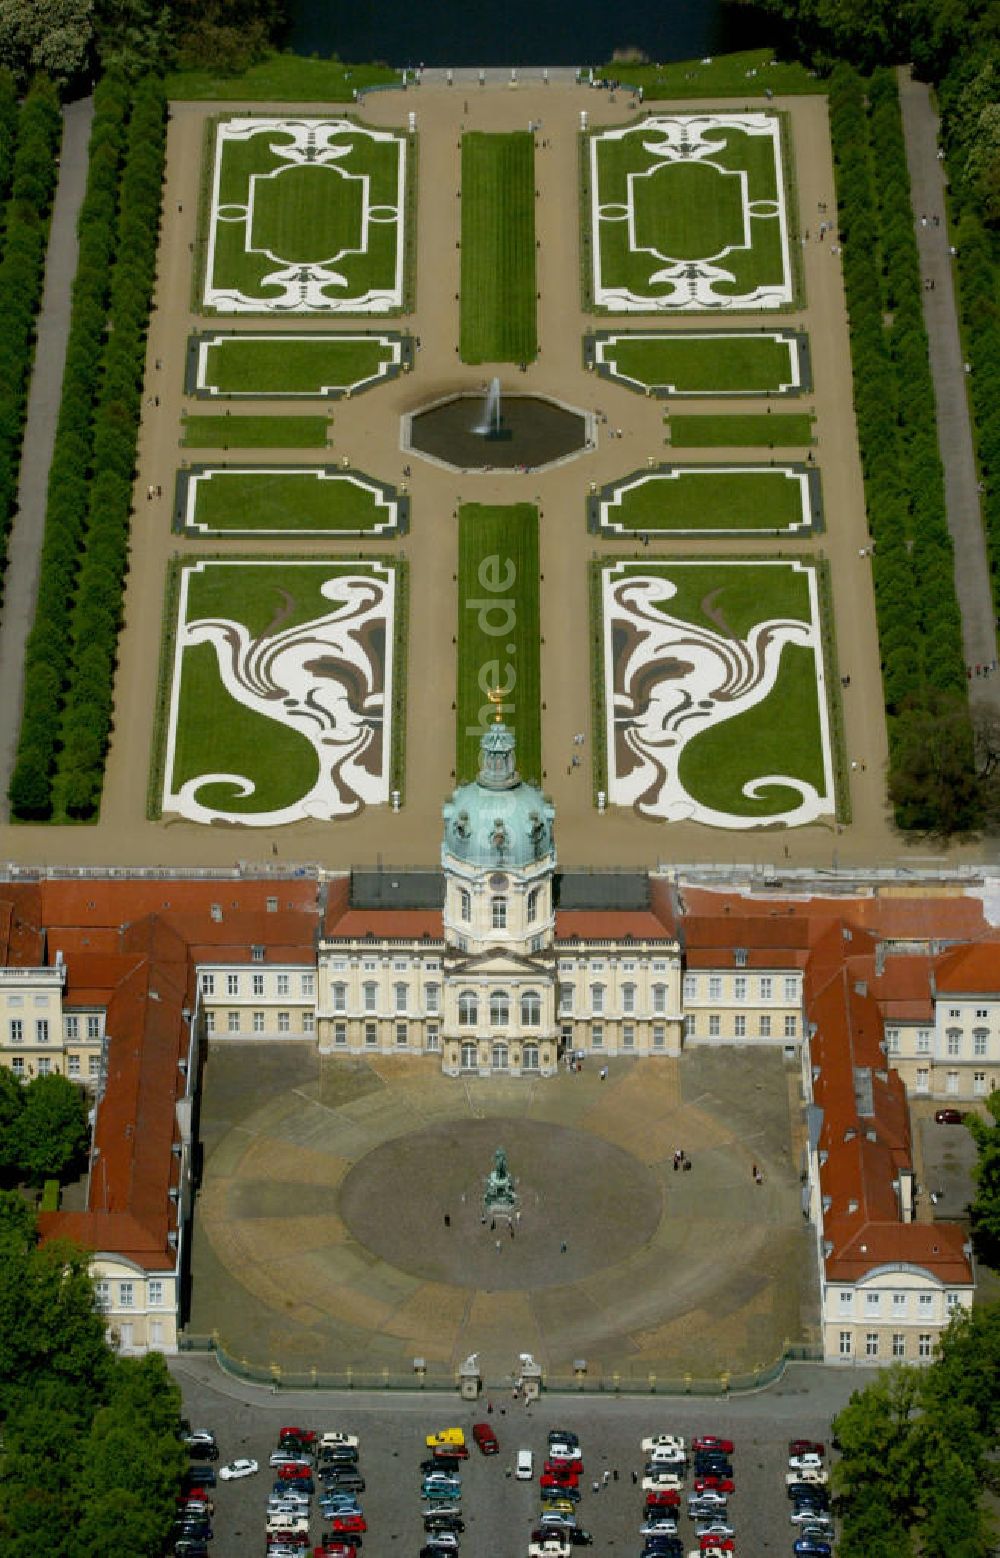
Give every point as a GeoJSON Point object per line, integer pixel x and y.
{"type": "Point", "coordinates": [710, 191]}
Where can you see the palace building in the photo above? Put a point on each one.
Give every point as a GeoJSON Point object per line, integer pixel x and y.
{"type": "Point", "coordinates": [882, 997]}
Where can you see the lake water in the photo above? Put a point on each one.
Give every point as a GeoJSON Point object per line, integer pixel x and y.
{"type": "Point", "coordinates": [517, 32]}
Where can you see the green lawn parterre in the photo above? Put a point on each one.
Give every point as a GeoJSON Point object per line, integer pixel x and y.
{"type": "Point", "coordinates": [703, 363]}
{"type": "Point", "coordinates": [267, 500]}
{"type": "Point", "coordinates": [674, 230]}
{"type": "Point", "coordinates": [498, 632]}
{"type": "Point", "coordinates": [498, 286]}
{"type": "Point", "coordinates": [222, 431]}
{"type": "Point", "coordinates": [701, 499]}
{"type": "Point", "coordinates": [783, 733]}
{"type": "Point", "coordinates": [214, 732]}
{"type": "Point", "coordinates": [267, 365]}
{"type": "Point", "coordinates": [728, 432]}
{"type": "Point", "coordinates": [307, 216]}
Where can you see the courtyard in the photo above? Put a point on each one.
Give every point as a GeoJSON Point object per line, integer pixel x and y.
{"type": "Point", "coordinates": [339, 1221]}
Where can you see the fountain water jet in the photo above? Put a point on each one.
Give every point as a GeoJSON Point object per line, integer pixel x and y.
{"type": "Point", "coordinates": [491, 424]}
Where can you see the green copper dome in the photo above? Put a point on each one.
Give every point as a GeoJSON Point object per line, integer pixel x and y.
{"type": "Point", "coordinates": [498, 820]}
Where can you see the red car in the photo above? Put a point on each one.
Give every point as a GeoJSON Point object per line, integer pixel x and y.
{"type": "Point", "coordinates": [663, 1498]}
{"type": "Point", "coordinates": [302, 1435]}
{"type": "Point", "coordinates": [949, 1117]}
{"type": "Point", "coordinates": [294, 1473]}
{"type": "Point", "coordinates": [558, 1463]}
{"type": "Point", "coordinates": [486, 1439]}
{"type": "Point", "coordinates": [805, 1447]}
{"type": "Point", "coordinates": [288, 1539]}
{"type": "Point", "coordinates": [347, 1525]}
{"type": "Point", "coordinates": [710, 1442]}
{"type": "Point", "coordinates": [564, 1480]}
{"type": "Point", "coordinates": [334, 1550]}
{"type": "Point", "coordinates": [718, 1484]}
{"type": "Point", "coordinates": [450, 1452]}
{"type": "Point", "coordinates": [717, 1544]}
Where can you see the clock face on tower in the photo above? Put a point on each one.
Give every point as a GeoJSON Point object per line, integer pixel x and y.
{"type": "Point", "coordinates": [498, 882]}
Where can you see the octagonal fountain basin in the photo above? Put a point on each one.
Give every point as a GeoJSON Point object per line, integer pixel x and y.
{"type": "Point", "coordinates": [498, 432]}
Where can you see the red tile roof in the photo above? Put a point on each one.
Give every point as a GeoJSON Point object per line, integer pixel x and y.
{"type": "Point", "coordinates": [397, 924]}
{"type": "Point", "coordinates": [22, 940]}
{"type": "Point", "coordinates": [605, 924]}
{"type": "Point", "coordinates": [894, 915]}
{"type": "Point", "coordinates": [971, 970]}
{"type": "Point", "coordinates": [104, 901]}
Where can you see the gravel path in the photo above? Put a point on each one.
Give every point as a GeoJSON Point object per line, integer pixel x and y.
{"type": "Point", "coordinates": [21, 581]}
{"type": "Point", "coordinates": [972, 574]}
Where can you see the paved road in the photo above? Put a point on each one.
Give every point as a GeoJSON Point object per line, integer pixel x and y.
{"type": "Point", "coordinates": [21, 582]}
{"type": "Point", "coordinates": [972, 576]}
{"type": "Point", "coordinates": [498, 1510]}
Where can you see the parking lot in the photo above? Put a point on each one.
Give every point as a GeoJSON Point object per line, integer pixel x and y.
{"type": "Point", "coordinates": [498, 1510]}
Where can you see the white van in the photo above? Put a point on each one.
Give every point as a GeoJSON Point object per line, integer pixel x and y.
{"type": "Point", "coordinates": [525, 1468]}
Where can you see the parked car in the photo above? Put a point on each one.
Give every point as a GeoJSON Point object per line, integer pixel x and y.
{"type": "Point", "coordinates": [556, 1504]}
{"type": "Point", "coordinates": [335, 1439]}
{"type": "Point", "coordinates": [199, 1477]}
{"type": "Point", "coordinates": [659, 1525]}
{"type": "Point", "coordinates": [811, 1549]}
{"type": "Point", "coordinates": [804, 1460]}
{"type": "Point", "coordinates": [663, 1442]}
{"type": "Point", "coordinates": [349, 1523]}
{"type": "Point", "coordinates": [714, 1527]}
{"type": "Point", "coordinates": [559, 1490]}
{"type": "Point", "coordinates": [485, 1438]}
{"type": "Point", "coordinates": [243, 1467]}
{"type": "Point", "coordinates": [524, 1468]}
{"type": "Point", "coordinates": [290, 1458]}
{"type": "Point", "coordinates": [807, 1476]}
{"type": "Point", "coordinates": [805, 1447]}
{"type": "Point", "coordinates": [562, 1436]}
{"type": "Point", "coordinates": [433, 1463]}
{"type": "Point", "coordinates": [440, 1492]}
{"type": "Point", "coordinates": [333, 1548]}
{"type": "Point", "coordinates": [347, 1477]}
{"type": "Point", "coordinates": [710, 1442]}
{"type": "Point", "coordinates": [949, 1116]}
{"type": "Point", "coordinates": [442, 1542]}
{"type": "Point", "coordinates": [664, 1498]}
{"type": "Point", "coordinates": [806, 1515]}
{"type": "Point", "coordinates": [190, 1547]}
{"type": "Point", "coordinates": [441, 1520]}
{"type": "Point", "coordinates": [553, 1547]}
{"type": "Point", "coordinates": [714, 1485]}
{"type": "Point", "coordinates": [445, 1436]}
{"type": "Point", "coordinates": [560, 1478]}
{"type": "Point", "coordinates": [564, 1450]}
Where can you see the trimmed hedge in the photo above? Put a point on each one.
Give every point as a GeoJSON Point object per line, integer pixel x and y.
{"type": "Point", "coordinates": [71, 652]}
{"type": "Point", "coordinates": [919, 622]}
{"type": "Point", "coordinates": [28, 171]}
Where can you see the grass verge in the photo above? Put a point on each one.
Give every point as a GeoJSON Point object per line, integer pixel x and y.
{"type": "Point", "coordinates": [725, 432]}
{"type": "Point", "coordinates": [227, 432]}
{"type": "Point", "coordinates": [282, 78]}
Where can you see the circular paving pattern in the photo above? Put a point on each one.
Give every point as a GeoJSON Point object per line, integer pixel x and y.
{"type": "Point", "coordinates": [575, 1189]}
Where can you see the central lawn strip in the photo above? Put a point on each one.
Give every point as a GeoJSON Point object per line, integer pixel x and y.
{"type": "Point", "coordinates": [689, 364]}
{"type": "Point", "coordinates": [226, 432]}
{"type": "Point", "coordinates": [498, 632]}
{"type": "Point", "coordinates": [711, 500]}
{"type": "Point", "coordinates": [293, 365]}
{"type": "Point", "coordinates": [250, 500]}
{"type": "Point", "coordinates": [498, 321]}
{"type": "Point", "coordinates": [760, 431]}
